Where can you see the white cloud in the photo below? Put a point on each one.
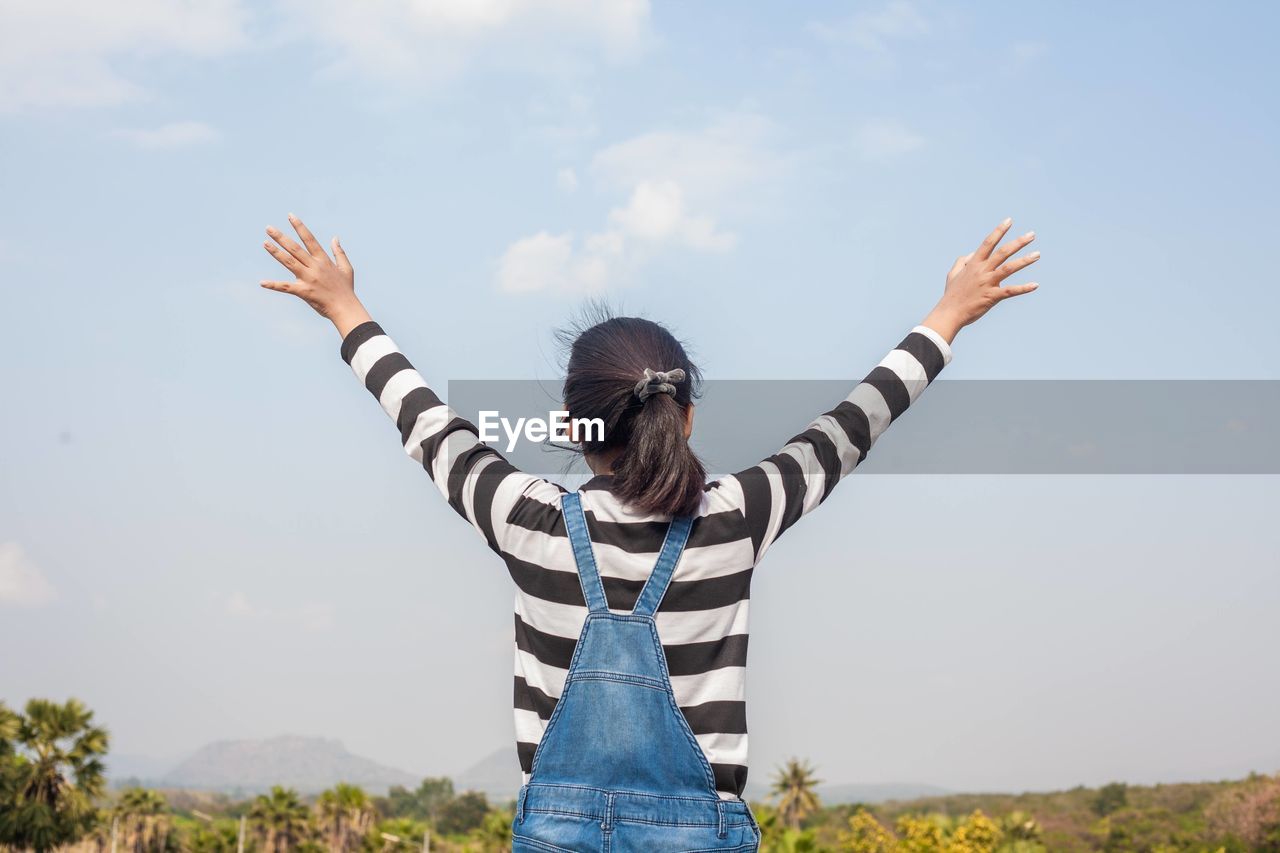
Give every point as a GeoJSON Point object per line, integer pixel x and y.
{"type": "Point", "coordinates": [176, 135]}
{"type": "Point", "coordinates": [62, 53]}
{"type": "Point", "coordinates": [885, 138]}
{"type": "Point", "coordinates": [73, 53]}
{"type": "Point", "coordinates": [654, 218]}
{"type": "Point", "coordinates": [672, 183]}
{"type": "Point", "coordinates": [874, 30]}
{"type": "Point", "coordinates": [306, 615]}
{"type": "Point", "coordinates": [729, 154]}
{"type": "Point", "coordinates": [22, 584]}
{"type": "Point", "coordinates": [540, 262]}
{"type": "Point", "coordinates": [437, 39]}
{"type": "Point", "coordinates": [656, 214]}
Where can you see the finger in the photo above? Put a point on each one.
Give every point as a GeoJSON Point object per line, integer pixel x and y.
{"type": "Point", "coordinates": [1008, 250]}
{"type": "Point", "coordinates": [1017, 289]}
{"type": "Point", "coordinates": [959, 264]}
{"type": "Point", "coordinates": [289, 246]}
{"type": "Point", "coordinates": [1016, 264]}
{"type": "Point", "coordinates": [308, 239]}
{"type": "Point", "coordinates": [290, 263]}
{"type": "Point", "coordinates": [279, 286]}
{"type": "Point", "coordinates": [993, 239]}
{"type": "Point", "coordinates": [340, 256]}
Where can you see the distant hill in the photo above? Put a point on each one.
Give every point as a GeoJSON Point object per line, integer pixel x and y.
{"type": "Point", "coordinates": [836, 795]}
{"type": "Point", "coordinates": [314, 764]}
{"type": "Point", "coordinates": [307, 764]}
{"type": "Point", "coordinates": [497, 776]}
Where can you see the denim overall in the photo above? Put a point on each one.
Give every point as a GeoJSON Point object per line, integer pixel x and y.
{"type": "Point", "coordinates": [618, 768]}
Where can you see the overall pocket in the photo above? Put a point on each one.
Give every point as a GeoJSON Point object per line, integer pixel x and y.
{"type": "Point", "coordinates": [556, 832]}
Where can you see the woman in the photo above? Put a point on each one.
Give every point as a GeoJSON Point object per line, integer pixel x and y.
{"type": "Point", "coordinates": [632, 592]}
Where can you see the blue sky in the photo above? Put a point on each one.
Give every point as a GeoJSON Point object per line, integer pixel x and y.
{"type": "Point", "coordinates": [207, 529]}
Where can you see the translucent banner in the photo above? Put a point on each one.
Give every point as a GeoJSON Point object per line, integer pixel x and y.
{"type": "Point", "coordinates": [955, 427]}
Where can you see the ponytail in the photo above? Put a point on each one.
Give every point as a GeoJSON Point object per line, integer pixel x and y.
{"type": "Point", "coordinates": [610, 362]}
{"type": "Point", "coordinates": [658, 471]}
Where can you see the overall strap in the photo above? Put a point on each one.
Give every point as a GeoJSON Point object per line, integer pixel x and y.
{"type": "Point", "coordinates": [672, 547]}
{"type": "Point", "coordinates": [575, 522]}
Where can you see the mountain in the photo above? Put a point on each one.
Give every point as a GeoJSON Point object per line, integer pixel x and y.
{"type": "Point", "coordinates": [497, 776]}
{"type": "Point", "coordinates": [839, 794]}
{"type": "Point", "coordinates": [834, 795]}
{"type": "Point", "coordinates": [307, 764]}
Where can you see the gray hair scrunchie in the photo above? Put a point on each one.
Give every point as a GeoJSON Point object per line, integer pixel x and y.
{"type": "Point", "coordinates": [658, 382]}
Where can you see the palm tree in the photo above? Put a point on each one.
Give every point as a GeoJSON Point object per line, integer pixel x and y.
{"type": "Point", "coordinates": [50, 772]}
{"type": "Point", "coordinates": [144, 819]}
{"type": "Point", "coordinates": [407, 830]}
{"type": "Point", "coordinates": [346, 814]}
{"type": "Point", "coordinates": [793, 784]}
{"type": "Point", "coordinates": [281, 818]}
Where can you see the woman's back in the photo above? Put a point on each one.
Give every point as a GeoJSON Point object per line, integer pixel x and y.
{"type": "Point", "coordinates": [702, 621]}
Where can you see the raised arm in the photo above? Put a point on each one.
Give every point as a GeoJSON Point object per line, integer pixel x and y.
{"type": "Point", "coordinates": [774, 494]}
{"type": "Point", "coordinates": [477, 482]}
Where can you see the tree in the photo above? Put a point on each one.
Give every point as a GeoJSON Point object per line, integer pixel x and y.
{"type": "Point", "coordinates": [408, 830]}
{"type": "Point", "coordinates": [920, 833]}
{"type": "Point", "coordinates": [1249, 812]}
{"type": "Point", "coordinates": [221, 836]}
{"type": "Point", "coordinates": [50, 773]}
{"type": "Point", "coordinates": [463, 813]}
{"type": "Point", "coordinates": [494, 832]}
{"type": "Point", "coordinates": [793, 785]}
{"type": "Point", "coordinates": [281, 819]}
{"type": "Point", "coordinates": [867, 835]}
{"type": "Point", "coordinates": [976, 834]}
{"type": "Point", "coordinates": [144, 819]}
{"type": "Point", "coordinates": [345, 815]}
{"type": "Point", "coordinates": [1111, 798]}
{"type": "Point", "coordinates": [424, 803]}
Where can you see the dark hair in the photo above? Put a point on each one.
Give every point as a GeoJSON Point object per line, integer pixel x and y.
{"type": "Point", "coordinates": [656, 471]}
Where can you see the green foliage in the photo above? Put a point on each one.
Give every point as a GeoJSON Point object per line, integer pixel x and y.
{"type": "Point", "coordinates": [494, 832]}
{"type": "Point", "coordinates": [52, 795]}
{"type": "Point", "coordinates": [344, 816]}
{"type": "Point", "coordinates": [777, 837]}
{"type": "Point", "coordinates": [424, 803]}
{"type": "Point", "coordinates": [463, 813]}
{"type": "Point", "coordinates": [280, 820]}
{"type": "Point", "coordinates": [220, 836]}
{"type": "Point", "coordinates": [1111, 798]}
{"type": "Point", "coordinates": [937, 833]}
{"type": "Point", "coordinates": [793, 785]}
{"type": "Point", "coordinates": [1248, 813]}
{"type": "Point", "coordinates": [51, 772]}
{"type": "Point", "coordinates": [867, 835]}
{"type": "Point", "coordinates": [143, 821]}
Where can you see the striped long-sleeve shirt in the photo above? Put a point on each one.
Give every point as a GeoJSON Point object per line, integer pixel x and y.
{"type": "Point", "coordinates": [702, 621]}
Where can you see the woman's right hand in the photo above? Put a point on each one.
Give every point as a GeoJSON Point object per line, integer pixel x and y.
{"type": "Point", "coordinates": [326, 284]}
{"type": "Point", "coordinates": [973, 284]}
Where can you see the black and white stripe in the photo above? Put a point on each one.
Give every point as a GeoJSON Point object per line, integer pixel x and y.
{"type": "Point", "coordinates": [702, 621]}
